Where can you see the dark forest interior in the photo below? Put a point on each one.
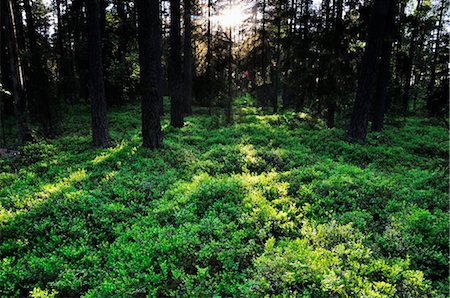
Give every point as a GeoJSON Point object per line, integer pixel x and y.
{"type": "Point", "coordinates": [223, 148]}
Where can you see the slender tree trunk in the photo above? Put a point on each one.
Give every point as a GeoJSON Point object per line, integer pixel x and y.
{"type": "Point", "coordinates": [17, 76]}
{"type": "Point", "coordinates": [263, 44]}
{"type": "Point", "coordinates": [40, 86]}
{"type": "Point", "coordinates": [175, 81]}
{"type": "Point", "coordinates": [277, 60]}
{"type": "Point", "coordinates": [187, 62]}
{"type": "Point", "coordinates": [149, 32]}
{"type": "Point", "coordinates": [62, 81]}
{"type": "Point", "coordinates": [369, 70]}
{"type": "Point", "coordinates": [410, 63]}
{"type": "Point", "coordinates": [100, 133]}
{"type": "Point", "coordinates": [122, 50]}
{"type": "Point", "coordinates": [2, 120]}
{"type": "Point", "coordinates": [432, 104]}
{"type": "Point", "coordinates": [229, 103]}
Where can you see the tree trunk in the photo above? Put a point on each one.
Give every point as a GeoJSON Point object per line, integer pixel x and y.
{"type": "Point", "coordinates": [122, 50]}
{"type": "Point", "coordinates": [369, 70]}
{"type": "Point", "coordinates": [263, 44]}
{"type": "Point", "coordinates": [176, 98]}
{"type": "Point", "coordinates": [229, 103]}
{"type": "Point", "coordinates": [277, 61]}
{"type": "Point", "coordinates": [432, 103]}
{"type": "Point", "coordinates": [17, 77]}
{"type": "Point", "coordinates": [384, 76]}
{"type": "Point", "coordinates": [410, 63]}
{"type": "Point", "coordinates": [149, 36]}
{"type": "Point", "coordinates": [100, 133]}
{"type": "Point", "coordinates": [39, 88]}
{"type": "Point", "coordinates": [187, 62]}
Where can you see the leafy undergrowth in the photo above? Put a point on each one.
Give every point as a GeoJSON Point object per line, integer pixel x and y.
{"type": "Point", "coordinates": [273, 205]}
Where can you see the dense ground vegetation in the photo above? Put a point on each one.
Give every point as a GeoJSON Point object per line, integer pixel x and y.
{"type": "Point", "coordinates": [273, 204]}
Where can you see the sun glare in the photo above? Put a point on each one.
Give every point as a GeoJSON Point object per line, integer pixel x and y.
{"type": "Point", "coordinates": [232, 16]}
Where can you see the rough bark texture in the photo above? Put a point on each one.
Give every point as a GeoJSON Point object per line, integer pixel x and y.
{"type": "Point", "coordinates": [100, 134]}
{"type": "Point", "coordinates": [176, 98]}
{"type": "Point", "coordinates": [369, 70]}
{"type": "Point", "coordinates": [187, 62]}
{"type": "Point", "coordinates": [149, 37]}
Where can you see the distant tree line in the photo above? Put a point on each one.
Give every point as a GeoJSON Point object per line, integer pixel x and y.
{"type": "Point", "coordinates": [349, 62]}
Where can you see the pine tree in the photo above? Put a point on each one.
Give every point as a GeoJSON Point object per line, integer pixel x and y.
{"type": "Point", "coordinates": [369, 70]}
{"type": "Point", "coordinates": [100, 133]}
{"type": "Point", "coordinates": [149, 37]}
{"type": "Point", "coordinates": [175, 67]}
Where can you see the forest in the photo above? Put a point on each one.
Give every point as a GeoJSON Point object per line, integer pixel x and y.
{"type": "Point", "coordinates": [224, 148]}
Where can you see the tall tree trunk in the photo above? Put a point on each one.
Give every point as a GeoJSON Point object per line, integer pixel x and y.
{"type": "Point", "coordinates": [61, 86]}
{"type": "Point", "coordinates": [263, 44]}
{"type": "Point", "coordinates": [229, 102]}
{"type": "Point", "coordinates": [40, 86]}
{"type": "Point", "coordinates": [100, 133]}
{"type": "Point", "coordinates": [149, 35]}
{"type": "Point", "coordinates": [17, 77]}
{"type": "Point", "coordinates": [369, 70]}
{"type": "Point", "coordinates": [277, 60]}
{"type": "Point", "coordinates": [410, 62]}
{"type": "Point", "coordinates": [432, 103]}
{"type": "Point", "coordinates": [122, 50]}
{"type": "Point", "coordinates": [176, 98]}
{"type": "Point", "coordinates": [384, 76]}
{"type": "Point", "coordinates": [187, 62]}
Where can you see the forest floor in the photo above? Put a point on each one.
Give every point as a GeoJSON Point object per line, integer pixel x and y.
{"type": "Point", "coordinates": [273, 204]}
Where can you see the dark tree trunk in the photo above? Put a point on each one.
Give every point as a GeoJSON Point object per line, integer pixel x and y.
{"type": "Point", "coordinates": [229, 102]}
{"type": "Point", "coordinates": [122, 50]}
{"type": "Point", "coordinates": [16, 69]}
{"type": "Point", "coordinates": [175, 81]}
{"type": "Point", "coordinates": [369, 70]}
{"type": "Point", "coordinates": [187, 62]}
{"type": "Point", "coordinates": [277, 60]}
{"type": "Point", "coordinates": [62, 82]}
{"type": "Point", "coordinates": [432, 102]}
{"type": "Point", "coordinates": [208, 72]}
{"type": "Point", "coordinates": [149, 32]}
{"type": "Point", "coordinates": [39, 88]}
{"type": "Point", "coordinates": [263, 44]}
{"type": "Point", "coordinates": [410, 63]}
{"type": "Point", "coordinates": [100, 133]}
{"type": "Point", "coordinates": [380, 98]}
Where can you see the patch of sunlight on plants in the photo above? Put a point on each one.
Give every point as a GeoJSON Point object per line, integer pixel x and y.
{"type": "Point", "coordinates": [108, 153]}
{"type": "Point", "coordinates": [39, 293]}
{"type": "Point", "coordinates": [249, 153]}
{"type": "Point", "coordinates": [50, 189]}
{"type": "Point", "coordinates": [5, 215]}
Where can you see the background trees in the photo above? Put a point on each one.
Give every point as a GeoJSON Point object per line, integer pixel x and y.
{"type": "Point", "coordinates": [291, 54]}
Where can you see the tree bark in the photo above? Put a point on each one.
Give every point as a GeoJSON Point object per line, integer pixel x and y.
{"type": "Point", "coordinates": [17, 77]}
{"type": "Point", "coordinates": [100, 133]}
{"type": "Point", "coordinates": [187, 62]}
{"type": "Point", "coordinates": [175, 81]}
{"type": "Point", "coordinates": [369, 70]}
{"type": "Point", "coordinates": [410, 62]}
{"type": "Point", "coordinates": [384, 76]}
{"type": "Point", "coordinates": [149, 37]}
{"type": "Point", "coordinates": [432, 103]}
{"type": "Point", "coordinates": [39, 88]}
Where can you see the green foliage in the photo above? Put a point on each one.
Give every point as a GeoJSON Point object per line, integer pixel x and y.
{"type": "Point", "coordinates": [270, 206]}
